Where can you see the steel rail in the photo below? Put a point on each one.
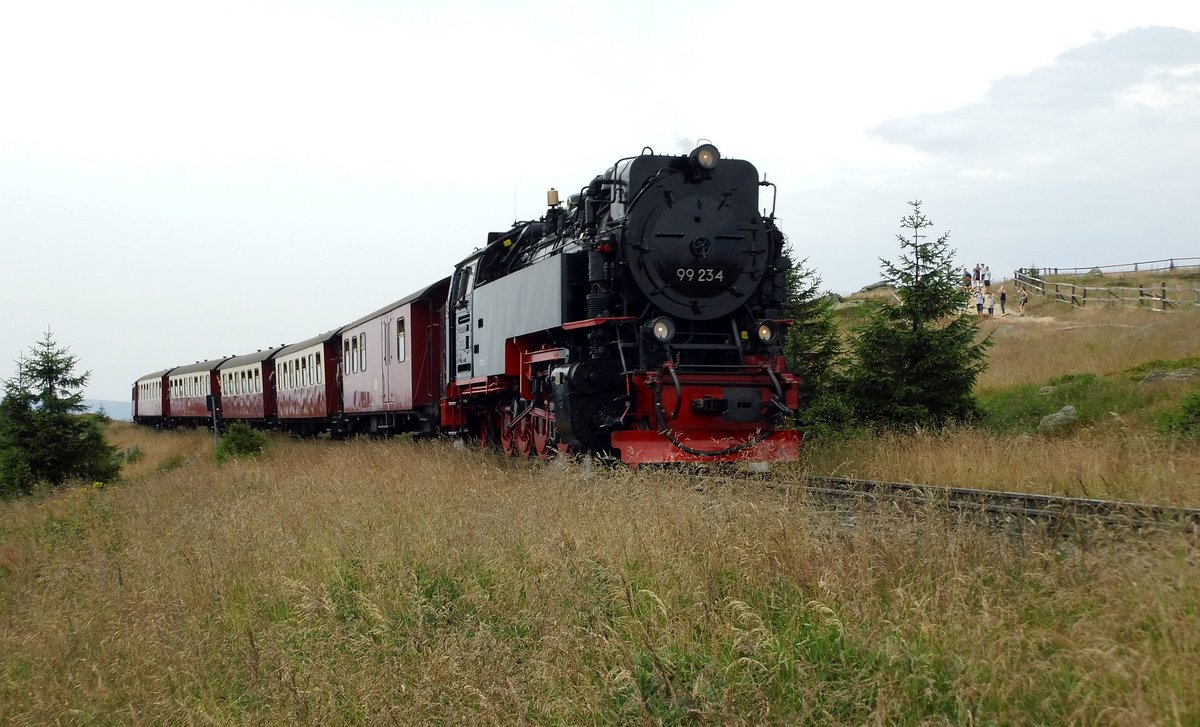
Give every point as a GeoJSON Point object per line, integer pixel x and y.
{"type": "Point", "coordinates": [1002, 503]}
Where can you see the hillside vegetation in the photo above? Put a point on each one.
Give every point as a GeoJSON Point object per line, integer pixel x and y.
{"type": "Point", "coordinates": [1095, 360]}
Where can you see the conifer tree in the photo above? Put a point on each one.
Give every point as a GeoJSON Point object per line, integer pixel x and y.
{"type": "Point", "coordinates": [812, 348]}
{"type": "Point", "coordinates": [43, 434]}
{"type": "Point", "coordinates": [916, 363]}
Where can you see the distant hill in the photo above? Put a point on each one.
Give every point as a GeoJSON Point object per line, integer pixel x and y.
{"type": "Point", "coordinates": [122, 410]}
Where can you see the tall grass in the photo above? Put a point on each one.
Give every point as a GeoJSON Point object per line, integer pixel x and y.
{"type": "Point", "coordinates": [383, 582]}
{"type": "Point", "coordinates": [1109, 463]}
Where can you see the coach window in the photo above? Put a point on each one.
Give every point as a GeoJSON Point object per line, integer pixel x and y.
{"type": "Point", "coordinates": [362, 352]}
{"type": "Point", "coordinates": [320, 371]}
{"type": "Point", "coordinates": [399, 339]}
{"type": "Point", "coordinates": [354, 355]}
{"type": "Point", "coordinates": [257, 381]}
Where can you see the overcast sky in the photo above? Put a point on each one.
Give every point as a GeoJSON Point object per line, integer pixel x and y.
{"type": "Point", "coordinates": [180, 181]}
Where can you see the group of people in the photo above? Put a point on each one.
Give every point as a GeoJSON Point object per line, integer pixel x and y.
{"type": "Point", "coordinates": [978, 283]}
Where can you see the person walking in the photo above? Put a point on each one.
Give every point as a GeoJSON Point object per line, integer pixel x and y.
{"type": "Point", "coordinates": [986, 272]}
{"type": "Point", "coordinates": [978, 301]}
{"type": "Point", "coordinates": [990, 302]}
{"type": "Point", "coordinates": [976, 278]}
{"type": "Point", "coordinates": [1003, 298]}
{"type": "Point", "coordinates": [1022, 297]}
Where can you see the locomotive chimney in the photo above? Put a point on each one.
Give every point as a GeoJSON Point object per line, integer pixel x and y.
{"type": "Point", "coordinates": [552, 197]}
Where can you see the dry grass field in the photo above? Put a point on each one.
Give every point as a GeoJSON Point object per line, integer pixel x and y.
{"type": "Point", "coordinates": [381, 582]}
{"type": "Point", "coordinates": [1054, 339]}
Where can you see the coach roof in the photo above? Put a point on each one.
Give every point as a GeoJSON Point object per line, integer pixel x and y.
{"type": "Point", "coordinates": [155, 376]}
{"type": "Point", "coordinates": [307, 342]}
{"type": "Point", "coordinates": [199, 366]}
{"type": "Point", "coordinates": [422, 293]}
{"type": "Point", "coordinates": [250, 358]}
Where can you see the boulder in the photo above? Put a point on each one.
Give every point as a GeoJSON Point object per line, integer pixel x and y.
{"type": "Point", "coordinates": [1045, 390]}
{"type": "Point", "coordinates": [876, 286]}
{"type": "Point", "coordinates": [1177, 375]}
{"type": "Point", "coordinates": [1061, 419]}
{"type": "Point", "coordinates": [1096, 271]}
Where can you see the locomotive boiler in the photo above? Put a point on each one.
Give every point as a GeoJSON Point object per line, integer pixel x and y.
{"type": "Point", "coordinates": [644, 316]}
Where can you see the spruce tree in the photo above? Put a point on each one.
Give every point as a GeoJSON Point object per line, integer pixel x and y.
{"type": "Point", "coordinates": [915, 363]}
{"type": "Point", "coordinates": [44, 437]}
{"type": "Point", "coordinates": [812, 348]}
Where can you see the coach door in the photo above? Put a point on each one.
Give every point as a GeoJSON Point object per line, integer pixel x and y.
{"type": "Point", "coordinates": [460, 319]}
{"type": "Point", "coordinates": [385, 360]}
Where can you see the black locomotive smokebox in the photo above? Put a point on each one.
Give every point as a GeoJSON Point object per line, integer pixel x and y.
{"type": "Point", "coordinates": [697, 248]}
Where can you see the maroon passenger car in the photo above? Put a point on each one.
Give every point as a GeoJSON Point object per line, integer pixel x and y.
{"type": "Point", "coordinates": [391, 365]}
{"type": "Point", "coordinates": [150, 401]}
{"type": "Point", "coordinates": [248, 387]}
{"type": "Point", "coordinates": [306, 384]}
{"type": "Point", "coordinates": [189, 388]}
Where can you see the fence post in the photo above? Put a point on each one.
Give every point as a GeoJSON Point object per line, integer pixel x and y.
{"type": "Point", "coordinates": [1141, 294]}
{"type": "Point", "coordinates": [1172, 263]}
{"type": "Point", "coordinates": [1164, 296]}
{"type": "Point", "coordinates": [1084, 303]}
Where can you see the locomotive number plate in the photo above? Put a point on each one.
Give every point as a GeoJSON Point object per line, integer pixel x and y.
{"type": "Point", "coordinates": [700, 275]}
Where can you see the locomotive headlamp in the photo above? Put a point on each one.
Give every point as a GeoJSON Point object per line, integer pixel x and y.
{"type": "Point", "coordinates": [768, 331]}
{"type": "Point", "coordinates": [705, 156]}
{"type": "Point", "coordinates": [661, 329]}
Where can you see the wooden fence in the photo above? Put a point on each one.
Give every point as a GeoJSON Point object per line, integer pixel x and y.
{"type": "Point", "coordinates": [1145, 266]}
{"type": "Point", "coordinates": [1153, 297]}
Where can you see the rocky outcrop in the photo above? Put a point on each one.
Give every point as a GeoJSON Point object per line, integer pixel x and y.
{"type": "Point", "coordinates": [1059, 420]}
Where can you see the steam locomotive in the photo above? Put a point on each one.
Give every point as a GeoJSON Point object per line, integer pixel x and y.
{"type": "Point", "coordinates": [643, 317]}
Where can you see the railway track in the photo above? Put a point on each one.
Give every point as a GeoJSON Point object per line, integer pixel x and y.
{"type": "Point", "coordinates": [1007, 506]}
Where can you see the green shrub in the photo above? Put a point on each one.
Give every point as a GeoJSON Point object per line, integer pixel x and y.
{"type": "Point", "coordinates": [1185, 420]}
{"type": "Point", "coordinates": [1020, 408]}
{"type": "Point", "coordinates": [1137, 373]}
{"type": "Point", "coordinates": [133, 454]}
{"type": "Point", "coordinates": [239, 440]}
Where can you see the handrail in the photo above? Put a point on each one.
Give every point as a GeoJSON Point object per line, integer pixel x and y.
{"type": "Point", "coordinates": [1159, 298]}
{"type": "Point", "coordinates": [1173, 263]}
